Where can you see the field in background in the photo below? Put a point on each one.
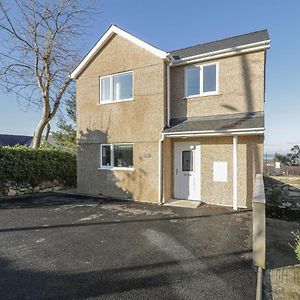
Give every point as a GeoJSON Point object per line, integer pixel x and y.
{"type": "Point", "coordinates": [282, 171]}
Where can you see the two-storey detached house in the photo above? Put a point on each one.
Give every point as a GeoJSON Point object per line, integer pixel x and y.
{"type": "Point", "coordinates": [185, 124]}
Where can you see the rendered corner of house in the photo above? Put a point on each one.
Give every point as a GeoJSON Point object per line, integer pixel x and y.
{"type": "Point", "coordinates": [185, 124]}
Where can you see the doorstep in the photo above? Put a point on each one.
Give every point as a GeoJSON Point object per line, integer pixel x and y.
{"type": "Point", "coordinates": [182, 203]}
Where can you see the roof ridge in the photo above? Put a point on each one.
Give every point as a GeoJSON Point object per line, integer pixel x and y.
{"type": "Point", "coordinates": [219, 40]}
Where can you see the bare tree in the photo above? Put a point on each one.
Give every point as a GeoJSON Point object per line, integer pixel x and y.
{"type": "Point", "coordinates": [39, 38]}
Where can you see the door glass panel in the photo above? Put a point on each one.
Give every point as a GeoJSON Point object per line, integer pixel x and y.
{"type": "Point", "coordinates": [187, 160]}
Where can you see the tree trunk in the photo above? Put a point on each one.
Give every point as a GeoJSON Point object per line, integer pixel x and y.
{"type": "Point", "coordinates": [37, 137]}
{"type": "Point", "coordinates": [47, 133]}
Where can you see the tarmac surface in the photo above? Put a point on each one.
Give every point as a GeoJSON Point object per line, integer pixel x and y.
{"type": "Point", "coordinates": [57, 246]}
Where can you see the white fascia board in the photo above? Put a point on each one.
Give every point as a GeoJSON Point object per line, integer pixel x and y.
{"type": "Point", "coordinates": [247, 131]}
{"type": "Point", "coordinates": [224, 53]}
{"type": "Point", "coordinates": [113, 29]}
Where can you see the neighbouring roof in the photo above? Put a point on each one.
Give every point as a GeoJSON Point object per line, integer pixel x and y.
{"type": "Point", "coordinates": [232, 42]}
{"type": "Point", "coordinates": [12, 140]}
{"type": "Point", "coordinates": [219, 123]}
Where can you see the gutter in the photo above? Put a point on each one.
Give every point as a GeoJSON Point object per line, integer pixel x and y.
{"type": "Point", "coordinates": [248, 131]}
{"type": "Point", "coordinates": [263, 45]}
{"type": "Point", "coordinates": [170, 61]}
{"type": "Point", "coordinates": [168, 94]}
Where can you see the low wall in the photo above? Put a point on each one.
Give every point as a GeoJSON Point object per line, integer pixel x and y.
{"type": "Point", "coordinates": [282, 197]}
{"type": "Point", "coordinates": [13, 189]}
{"type": "Point", "coordinates": [283, 191]}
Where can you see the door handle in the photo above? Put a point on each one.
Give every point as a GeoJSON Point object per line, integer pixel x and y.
{"type": "Point", "coordinates": [176, 171]}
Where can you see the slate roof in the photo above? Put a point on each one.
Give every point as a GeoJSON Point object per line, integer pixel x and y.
{"type": "Point", "coordinates": [12, 140]}
{"type": "Point", "coordinates": [244, 39]}
{"type": "Point", "coordinates": [217, 123]}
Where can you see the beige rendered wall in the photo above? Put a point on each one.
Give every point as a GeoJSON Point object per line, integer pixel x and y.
{"type": "Point", "coordinates": [139, 122]}
{"type": "Point", "coordinates": [241, 87]}
{"type": "Point", "coordinates": [250, 163]}
{"type": "Point", "coordinates": [250, 158]}
{"type": "Point", "coordinates": [140, 184]}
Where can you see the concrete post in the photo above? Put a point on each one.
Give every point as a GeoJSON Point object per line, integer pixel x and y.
{"type": "Point", "coordinates": [259, 223]}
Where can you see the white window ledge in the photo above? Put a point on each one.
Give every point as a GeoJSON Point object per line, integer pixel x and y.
{"type": "Point", "coordinates": [202, 95]}
{"type": "Point", "coordinates": [117, 169]}
{"type": "Point", "coordinates": [115, 101]}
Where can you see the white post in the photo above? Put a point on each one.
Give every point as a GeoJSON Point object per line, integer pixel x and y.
{"type": "Point", "coordinates": [160, 169]}
{"type": "Point", "coordinates": [235, 175]}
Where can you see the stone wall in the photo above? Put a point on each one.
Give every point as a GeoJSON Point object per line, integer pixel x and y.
{"type": "Point", "coordinates": [283, 191]}
{"type": "Point", "coordinates": [10, 188]}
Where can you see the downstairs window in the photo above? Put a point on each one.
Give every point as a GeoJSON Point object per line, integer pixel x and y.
{"type": "Point", "coordinates": [116, 156]}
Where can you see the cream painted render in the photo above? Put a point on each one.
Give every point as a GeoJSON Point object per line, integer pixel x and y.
{"type": "Point", "coordinates": [241, 88]}
{"type": "Point", "coordinates": [142, 120]}
{"type": "Point", "coordinates": [139, 122]}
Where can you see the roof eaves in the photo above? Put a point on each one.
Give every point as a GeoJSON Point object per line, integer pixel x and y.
{"type": "Point", "coordinates": [263, 45]}
{"type": "Point", "coordinates": [113, 29]}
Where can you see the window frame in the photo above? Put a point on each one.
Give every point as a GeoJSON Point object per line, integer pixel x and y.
{"type": "Point", "coordinates": [112, 157]}
{"type": "Point", "coordinates": [111, 88]}
{"type": "Point", "coordinates": [201, 92]}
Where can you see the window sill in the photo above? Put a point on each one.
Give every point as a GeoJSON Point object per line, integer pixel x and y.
{"type": "Point", "coordinates": [116, 101]}
{"type": "Point", "coordinates": [117, 169]}
{"type": "Point", "coordinates": [202, 95]}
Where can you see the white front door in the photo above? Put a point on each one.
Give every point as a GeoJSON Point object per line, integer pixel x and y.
{"type": "Point", "coordinates": [187, 171]}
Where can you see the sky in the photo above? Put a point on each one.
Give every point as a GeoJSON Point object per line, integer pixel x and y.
{"type": "Point", "coordinates": [175, 24]}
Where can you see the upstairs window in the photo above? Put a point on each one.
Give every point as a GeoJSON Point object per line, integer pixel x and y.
{"type": "Point", "coordinates": [201, 80]}
{"type": "Point", "coordinates": [116, 87]}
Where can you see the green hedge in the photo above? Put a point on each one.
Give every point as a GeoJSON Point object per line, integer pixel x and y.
{"type": "Point", "coordinates": [26, 165]}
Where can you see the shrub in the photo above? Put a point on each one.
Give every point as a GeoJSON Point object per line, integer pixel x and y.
{"type": "Point", "coordinates": [297, 246]}
{"type": "Point", "coordinates": [21, 164]}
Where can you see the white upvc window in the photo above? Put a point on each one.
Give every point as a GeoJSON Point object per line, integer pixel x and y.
{"type": "Point", "coordinates": [116, 87]}
{"type": "Point", "coordinates": [116, 156]}
{"type": "Point", "coordinates": [202, 80]}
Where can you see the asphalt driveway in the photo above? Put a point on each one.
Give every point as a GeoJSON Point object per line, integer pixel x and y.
{"type": "Point", "coordinates": [56, 246]}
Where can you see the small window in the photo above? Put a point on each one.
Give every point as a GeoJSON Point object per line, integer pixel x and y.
{"type": "Point", "coordinates": [209, 78]}
{"type": "Point", "coordinates": [116, 156]}
{"type": "Point", "coordinates": [187, 161]}
{"type": "Point", "coordinates": [105, 89]}
{"type": "Point", "coordinates": [201, 80]}
{"type": "Point", "coordinates": [193, 81]}
{"type": "Point", "coordinates": [106, 156]}
{"type": "Point", "coordinates": [117, 87]}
